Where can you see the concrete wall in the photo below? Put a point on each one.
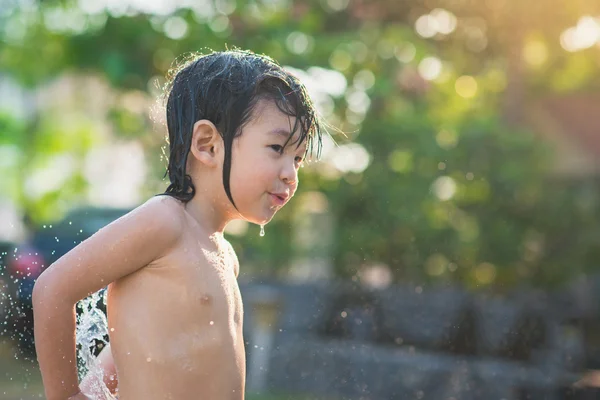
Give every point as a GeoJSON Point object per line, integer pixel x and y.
{"type": "Point", "coordinates": [338, 341]}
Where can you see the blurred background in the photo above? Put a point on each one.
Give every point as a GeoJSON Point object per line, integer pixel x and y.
{"type": "Point", "coordinates": [446, 247]}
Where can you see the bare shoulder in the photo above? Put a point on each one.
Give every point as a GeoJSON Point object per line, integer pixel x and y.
{"type": "Point", "coordinates": [233, 257]}
{"type": "Point", "coordinates": [159, 222]}
{"type": "Point", "coordinates": [163, 212]}
{"type": "Point", "coordinates": [121, 248]}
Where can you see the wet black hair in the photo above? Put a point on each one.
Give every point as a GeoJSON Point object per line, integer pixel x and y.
{"type": "Point", "coordinates": [224, 88]}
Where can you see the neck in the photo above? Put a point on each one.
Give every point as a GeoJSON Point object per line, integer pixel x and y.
{"type": "Point", "coordinates": [211, 212]}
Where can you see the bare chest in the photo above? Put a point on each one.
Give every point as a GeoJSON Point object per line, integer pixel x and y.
{"type": "Point", "coordinates": [208, 285]}
{"type": "Point", "coordinates": [189, 288]}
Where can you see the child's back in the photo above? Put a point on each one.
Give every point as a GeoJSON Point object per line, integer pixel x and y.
{"type": "Point", "coordinates": [239, 127]}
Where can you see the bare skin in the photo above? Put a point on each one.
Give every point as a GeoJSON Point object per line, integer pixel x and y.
{"type": "Point", "coordinates": [203, 355]}
{"type": "Point", "coordinates": [178, 317]}
{"type": "Point", "coordinates": [174, 308]}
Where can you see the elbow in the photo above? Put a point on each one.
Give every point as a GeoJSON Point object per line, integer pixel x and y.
{"type": "Point", "coordinates": [49, 291]}
{"type": "Point", "coordinates": [42, 290]}
{"type": "Point", "coordinates": [39, 292]}
{"type": "Point", "coordinates": [47, 302]}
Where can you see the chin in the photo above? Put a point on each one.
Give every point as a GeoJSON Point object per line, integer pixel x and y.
{"type": "Point", "coordinates": [263, 219]}
{"type": "Point", "coordinates": [260, 216]}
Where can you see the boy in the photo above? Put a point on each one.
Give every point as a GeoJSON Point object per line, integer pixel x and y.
{"type": "Point", "coordinates": [239, 128]}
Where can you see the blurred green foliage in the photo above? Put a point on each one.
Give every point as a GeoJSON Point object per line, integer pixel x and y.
{"type": "Point", "coordinates": [456, 188]}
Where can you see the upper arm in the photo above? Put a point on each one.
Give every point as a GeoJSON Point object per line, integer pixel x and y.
{"type": "Point", "coordinates": [117, 250]}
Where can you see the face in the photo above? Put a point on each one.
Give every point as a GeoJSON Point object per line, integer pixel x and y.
{"type": "Point", "coordinates": [264, 171]}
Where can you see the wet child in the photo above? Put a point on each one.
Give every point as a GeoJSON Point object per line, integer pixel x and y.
{"type": "Point", "coordinates": [239, 128]}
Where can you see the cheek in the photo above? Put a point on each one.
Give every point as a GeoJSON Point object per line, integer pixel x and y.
{"type": "Point", "coordinates": [252, 175]}
{"type": "Point", "coordinates": [293, 190]}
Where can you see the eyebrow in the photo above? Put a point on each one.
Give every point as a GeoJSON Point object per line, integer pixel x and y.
{"type": "Point", "coordinates": [280, 132]}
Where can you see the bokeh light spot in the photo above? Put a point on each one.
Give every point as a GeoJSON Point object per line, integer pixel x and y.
{"type": "Point", "coordinates": [430, 68]}
{"type": "Point", "coordinates": [466, 86]}
{"type": "Point", "coordinates": [444, 188]}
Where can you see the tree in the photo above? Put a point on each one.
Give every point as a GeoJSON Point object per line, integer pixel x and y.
{"type": "Point", "coordinates": [453, 190]}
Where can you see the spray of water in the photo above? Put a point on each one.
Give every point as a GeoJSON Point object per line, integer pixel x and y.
{"type": "Point", "coordinates": [91, 333]}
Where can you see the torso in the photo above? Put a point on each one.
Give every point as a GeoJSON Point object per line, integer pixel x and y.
{"type": "Point", "coordinates": [176, 325]}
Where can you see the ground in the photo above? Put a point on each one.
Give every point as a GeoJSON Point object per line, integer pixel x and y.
{"type": "Point", "coordinates": [19, 378]}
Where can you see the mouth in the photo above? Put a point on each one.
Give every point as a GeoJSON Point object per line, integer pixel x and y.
{"type": "Point", "coordinates": [278, 199]}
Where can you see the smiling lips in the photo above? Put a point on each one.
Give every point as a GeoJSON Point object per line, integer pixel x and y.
{"type": "Point", "coordinates": [278, 199]}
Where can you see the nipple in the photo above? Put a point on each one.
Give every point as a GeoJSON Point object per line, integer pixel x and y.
{"type": "Point", "coordinates": [262, 230]}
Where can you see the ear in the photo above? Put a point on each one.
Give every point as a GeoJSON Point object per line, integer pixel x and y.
{"type": "Point", "coordinates": [207, 143]}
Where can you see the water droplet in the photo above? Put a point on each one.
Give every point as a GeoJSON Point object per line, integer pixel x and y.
{"type": "Point", "coordinates": [212, 322]}
{"type": "Point", "coordinates": [148, 359]}
{"type": "Point", "coordinates": [112, 329]}
{"type": "Point", "coordinates": [262, 230]}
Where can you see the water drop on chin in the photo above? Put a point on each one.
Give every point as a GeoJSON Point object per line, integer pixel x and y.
{"type": "Point", "coordinates": [262, 230]}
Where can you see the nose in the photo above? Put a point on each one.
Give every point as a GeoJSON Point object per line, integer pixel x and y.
{"type": "Point", "coordinates": [289, 173]}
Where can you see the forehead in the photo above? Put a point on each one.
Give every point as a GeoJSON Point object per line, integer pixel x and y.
{"type": "Point", "coordinates": [266, 112]}
{"type": "Point", "coordinates": [269, 121]}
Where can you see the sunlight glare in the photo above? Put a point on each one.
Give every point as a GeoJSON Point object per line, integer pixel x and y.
{"type": "Point", "coordinates": [582, 36]}
{"type": "Point", "coordinates": [430, 68]}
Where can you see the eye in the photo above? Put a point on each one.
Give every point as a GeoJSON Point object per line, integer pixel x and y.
{"type": "Point", "coordinates": [299, 160]}
{"type": "Point", "coordinates": [276, 147]}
